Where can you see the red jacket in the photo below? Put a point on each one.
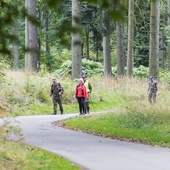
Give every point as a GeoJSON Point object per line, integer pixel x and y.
{"type": "Point", "coordinates": [81, 91]}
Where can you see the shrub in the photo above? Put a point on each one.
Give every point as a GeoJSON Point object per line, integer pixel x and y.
{"type": "Point", "coordinates": [89, 67]}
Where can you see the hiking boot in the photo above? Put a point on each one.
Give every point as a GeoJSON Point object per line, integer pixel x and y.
{"type": "Point", "coordinates": [54, 113]}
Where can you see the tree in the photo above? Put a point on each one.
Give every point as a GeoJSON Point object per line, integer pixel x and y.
{"type": "Point", "coordinates": [154, 38]}
{"type": "Point", "coordinates": [76, 40]}
{"type": "Point", "coordinates": [31, 40]}
{"type": "Point", "coordinates": [168, 23]}
{"type": "Point", "coordinates": [120, 49]}
{"type": "Point", "coordinates": [15, 47]}
{"type": "Point", "coordinates": [130, 38]}
{"type": "Point", "coordinates": [106, 44]}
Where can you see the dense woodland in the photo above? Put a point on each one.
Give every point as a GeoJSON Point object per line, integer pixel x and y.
{"type": "Point", "coordinates": [47, 34]}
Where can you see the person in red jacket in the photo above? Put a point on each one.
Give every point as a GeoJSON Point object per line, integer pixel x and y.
{"type": "Point", "coordinates": [81, 94]}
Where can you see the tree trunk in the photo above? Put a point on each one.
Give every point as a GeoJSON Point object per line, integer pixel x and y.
{"type": "Point", "coordinates": [106, 45]}
{"type": "Point", "coordinates": [26, 35]}
{"type": "Point", "coordinates": [161, 49]}
{"type": "Point", "coordinates": [154, 39]}
{"type": "Point", "coordinates": [168, 2]}
{"type": "Point", "coordinates": [16, 48]}
{"type": "Point", "coordinates": [47, 45]}
{"type": "Point", "coordinates": [87, 43]}
{"type": "Point", "coordinates": [130, 38]}
{"type": "Point", "coordinates": [31, 41]}
{"type": "Point", "coordinates": [120, 49]}
{"type": "Point", "coordinates": [76, 40]}
{"type": "Point", "coordinates": [107, 56]}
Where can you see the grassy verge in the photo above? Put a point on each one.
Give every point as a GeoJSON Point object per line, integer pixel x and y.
{"type": "Point", "coordinates": [149, 127]}
{"type": "Point", "coordinates": [15, 155]}
{"type": "Point", "coordinates": [25, 157]}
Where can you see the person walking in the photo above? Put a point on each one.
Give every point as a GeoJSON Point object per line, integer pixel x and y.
{"type": "Point", "coordinates": [81, 94]}
{"type": "Point", "coordinates": [56, 94]}
{"type": "Point", "coordinates": [89, 91]}
{"type": "Point", "coordinates": [152, 90]}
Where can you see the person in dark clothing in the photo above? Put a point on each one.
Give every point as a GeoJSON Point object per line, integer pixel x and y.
{"type": "Point", "coordinates": [81, 94]}
{"type": "Point", "coordinates": [56, 94]}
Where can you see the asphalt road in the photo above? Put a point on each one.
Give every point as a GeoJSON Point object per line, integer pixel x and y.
{"type": "Point", "coordinates": [91, 152]}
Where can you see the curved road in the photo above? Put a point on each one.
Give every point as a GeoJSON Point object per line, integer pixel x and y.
{"type": "Point", "coordinates": [91, 152]}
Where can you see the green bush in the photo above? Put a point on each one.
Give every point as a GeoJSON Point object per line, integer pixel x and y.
{"type": "Point", "coordinates": [141, 71]}
{"type": "Point", "coordinates": [165, 76]}
{"type": "Point", "coordinates": [42, 95]}
{"type": "Point", "coordinates": [89, 67]}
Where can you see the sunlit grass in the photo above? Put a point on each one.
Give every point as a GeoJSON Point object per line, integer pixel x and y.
{"type": "Point", "coordinates": [25, 157]}
{"type": "Point", "coordinates": [150, 128]}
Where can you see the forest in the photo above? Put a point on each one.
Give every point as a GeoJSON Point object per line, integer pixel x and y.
{"type": "Point", "coordinates": [119, 35]}
{"type": "Point", "coordinates": [118, 44]}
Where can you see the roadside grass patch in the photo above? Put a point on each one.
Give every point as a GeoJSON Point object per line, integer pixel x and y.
{"type": "Point", "coordinates": [17, 156]}
{"type": "Point", "coordinates": [149, 128]}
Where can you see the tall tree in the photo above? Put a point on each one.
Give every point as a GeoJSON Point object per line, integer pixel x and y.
{"type": "Point", "coordinates": [15, 44]}
{"type": "Point", "coordinates": [47, 45]}
{"type": "Point", "coordinates": [76, 40]}
{"type": "Point", "coordinates": [168, 23]}
{"type": "Point", "coordinates": [154, 38]}
{"type": "Point", "coordinates": [31, 40]}
{"type": "Point", "coordinates": [16, 47]}
{"type": "Point", "coordinates": [106, 44]}
{"type": "Point", "coordinates": [120, 49]}
{"type": "Point", "coordinates": [130, 38]}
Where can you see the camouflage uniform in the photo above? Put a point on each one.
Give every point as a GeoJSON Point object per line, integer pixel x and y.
{"type": "Point", "coordinates": [152, 91]}
{"type": "Point", "coordinates": [56, 92]}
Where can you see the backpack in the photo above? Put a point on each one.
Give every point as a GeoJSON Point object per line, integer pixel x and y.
{"type": "Point", "coordinates": [60, 87]}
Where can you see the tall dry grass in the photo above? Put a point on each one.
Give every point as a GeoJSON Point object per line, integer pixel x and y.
{"type": "Point", "coordinates": [22, 90]}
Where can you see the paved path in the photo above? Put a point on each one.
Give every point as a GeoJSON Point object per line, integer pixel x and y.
{"type": "Point", "coordinates": [91, 152]}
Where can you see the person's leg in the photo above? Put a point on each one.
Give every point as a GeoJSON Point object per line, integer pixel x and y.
{"type": "Point", "coordinates": [54, 106]}
{"type": "Point", "coordinates": [85, 106]}
{"type": "Point", "coordinates": [154, 97]}
{"type": "Point", "coordinates": [82, 105]}
{"type": "Point", "coordinates": [150, 97]}
{"type": "Point", "coordinates": [79, 103]}
{"type": "Point", "coordinates": [60, 105]}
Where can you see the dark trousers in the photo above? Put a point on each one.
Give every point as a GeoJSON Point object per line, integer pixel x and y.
{"type": "Point", "coordinates": [55, 101]}
{"type": "Point", "coordinates": [81, 104]}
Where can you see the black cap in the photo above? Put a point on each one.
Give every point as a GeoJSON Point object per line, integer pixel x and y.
{"type": "Point", "coordinates": [84, 76]}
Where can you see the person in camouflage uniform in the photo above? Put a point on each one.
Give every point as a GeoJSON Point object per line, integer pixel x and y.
{"type": "Point", "coordinates": [56, 93]}
{"type": "Point", "coordinates": [152, 90]}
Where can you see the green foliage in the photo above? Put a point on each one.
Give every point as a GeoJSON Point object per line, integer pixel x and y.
{"type": "Point", "coordinates": [89, 67]}
{"type": "Point", "coordinates": [165, 76]}
{"type": "Point", "coordinates": [141, 71]}
{"type": "Point", "coordinates": [42, 95]}
{"type": "Point", "coordinates": [2, 74]}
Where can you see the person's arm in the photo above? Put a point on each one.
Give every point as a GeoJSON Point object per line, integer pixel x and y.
{"type": "Point", "coordinates": [61, 90]}
{"type": "Point", "coordinates": [148, 88]}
